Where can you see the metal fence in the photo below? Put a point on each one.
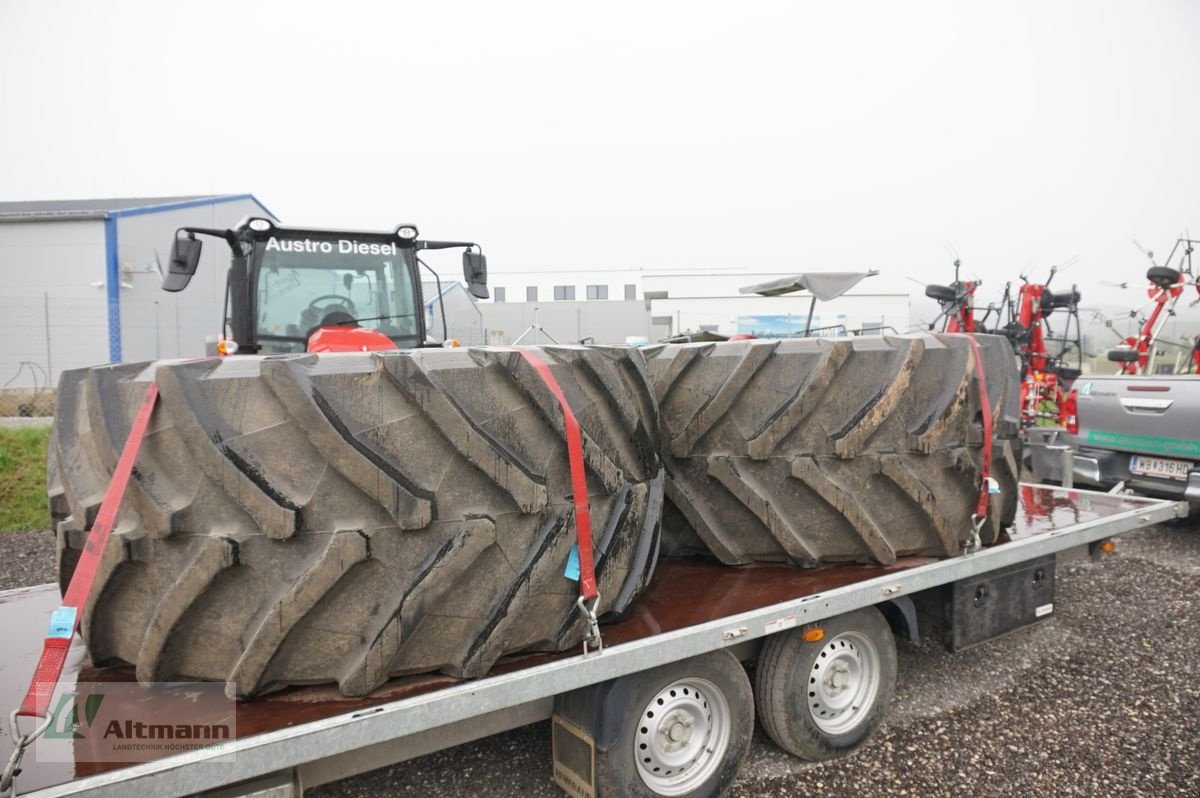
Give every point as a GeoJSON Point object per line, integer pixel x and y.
{"type": "Point", "coordinates": [41, 336]}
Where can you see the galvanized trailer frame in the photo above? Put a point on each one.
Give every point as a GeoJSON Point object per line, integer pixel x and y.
{"type": "Point", "coordinates": [280, 763]}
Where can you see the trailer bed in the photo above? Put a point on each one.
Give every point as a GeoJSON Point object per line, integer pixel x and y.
{"type": "Point", "coordinates": [313, 735]}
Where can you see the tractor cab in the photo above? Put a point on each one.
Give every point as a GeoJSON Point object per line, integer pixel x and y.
{"type": "Point", "coordinates": [299, 289]}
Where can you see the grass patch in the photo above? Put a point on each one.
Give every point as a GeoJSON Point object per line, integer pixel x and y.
{"type": "Point", "coordinates": [23, 502]}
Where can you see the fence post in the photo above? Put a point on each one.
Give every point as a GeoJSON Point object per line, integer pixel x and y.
{"type": "Point", "coordinates": [46, 319]}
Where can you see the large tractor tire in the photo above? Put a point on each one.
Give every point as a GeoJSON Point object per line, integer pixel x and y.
{"type": "Point", "coordinates": [349, 517]}
{"type": "Point", "coordinates": [834, 450]}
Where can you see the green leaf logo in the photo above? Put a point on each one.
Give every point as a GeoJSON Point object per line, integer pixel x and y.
{"type": "Point", "coordinates": [66, 723]}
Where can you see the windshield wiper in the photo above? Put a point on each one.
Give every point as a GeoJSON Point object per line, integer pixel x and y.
{"type": "Point", "coordinates": [370, 318]}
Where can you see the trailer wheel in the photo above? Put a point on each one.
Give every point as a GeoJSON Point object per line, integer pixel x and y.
{"type": "Point", "coordinates": [686, 729]}
{"type": "Point", "coordinates": [821, 699]}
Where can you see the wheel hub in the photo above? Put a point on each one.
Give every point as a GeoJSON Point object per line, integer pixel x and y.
{"type": "Point", "coordinates": [682, 736]}
{"type": "Point", "coordinates": [676, 729]}
{"type": "Point", "coordinates": [843, 683]}
{"type": "Point", "coordinates": [838, 678]}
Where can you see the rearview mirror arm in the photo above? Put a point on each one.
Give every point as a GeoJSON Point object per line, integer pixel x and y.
{"type": "Point", "coordinates": [447, 245]}
{"type": "Point", "coordinates": [474, 263]}
{"type": "Point", "coordinates": [229, 236]}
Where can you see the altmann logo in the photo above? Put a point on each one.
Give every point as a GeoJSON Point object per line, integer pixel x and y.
{"type": "Point", "coordinates": [70, 723]}
{"type": "Point", "coordinates": [342, 246]}
{"type": "Point", "coordinates": [136, 730]}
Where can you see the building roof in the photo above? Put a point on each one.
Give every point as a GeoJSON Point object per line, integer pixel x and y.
{"type": "Point", "coordinates": [65, 210]}
{"type": "Point", "coordinates": [429, 289]}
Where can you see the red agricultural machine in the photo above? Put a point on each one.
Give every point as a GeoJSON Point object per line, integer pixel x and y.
{"type": "Point", "coordinates": [1046, 376]}
{"type": "Point", "coordinates": [957, 302]}
{"type": "Point", "coordinates": [1136, 353]}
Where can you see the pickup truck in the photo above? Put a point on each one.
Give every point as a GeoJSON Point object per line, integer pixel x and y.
{"type": "Point", "coordinates": [1143, 431]}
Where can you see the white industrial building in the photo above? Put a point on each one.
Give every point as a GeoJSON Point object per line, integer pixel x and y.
{"type": "Point", "coordinates": [82, 283]}
{"type": "Point", "coordinates": [620, 305]}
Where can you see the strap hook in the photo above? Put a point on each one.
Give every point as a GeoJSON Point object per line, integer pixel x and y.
{"type": "Point", "coordinates": [593, 634]}
{"type": "Point", "coordinates": [20, 743]}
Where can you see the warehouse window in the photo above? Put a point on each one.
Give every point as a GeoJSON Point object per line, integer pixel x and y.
{"type": "Point", "coordinates": [711, 328]}
{"type": "Point", "coordinates": [597, 292]}
{"type": "Point", "coordinates": [564, 292]}
{"type": "Point", "coordinates": [630, 291]}
{"type": "Point", "coordinates": [531, 293]}
{"type": "Point", "coordinates": [498, 294]}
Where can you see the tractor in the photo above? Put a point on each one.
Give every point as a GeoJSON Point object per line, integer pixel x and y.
{"type": "Point", "coordinates": [291, 289]}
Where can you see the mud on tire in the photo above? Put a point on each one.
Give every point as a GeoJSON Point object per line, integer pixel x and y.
{"type": "Point", "coordinates": [344, 518]}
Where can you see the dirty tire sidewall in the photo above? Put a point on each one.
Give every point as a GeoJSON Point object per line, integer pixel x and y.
{"type": "Point", "coordinates": [782, 686]}
{"type": "Point", "coordinates": [617, 773]}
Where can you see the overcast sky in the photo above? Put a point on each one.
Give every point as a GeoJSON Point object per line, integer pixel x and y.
{"type": "Point", "coordinates": [763, 136]}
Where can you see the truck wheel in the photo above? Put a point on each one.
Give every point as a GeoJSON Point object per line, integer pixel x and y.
{"type": "Point", "coordinates": [686, 729]}
{"type": "Point", "coordinates": [822, 699]}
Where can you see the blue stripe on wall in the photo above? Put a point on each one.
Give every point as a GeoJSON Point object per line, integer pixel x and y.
{"type": "Point", "coordinates": [113, 267]}
{"type": "Point", "coordinates": [113, 284]}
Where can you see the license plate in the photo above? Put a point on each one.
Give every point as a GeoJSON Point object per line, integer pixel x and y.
{"type": "Point", "coordinates": [1159, 467]}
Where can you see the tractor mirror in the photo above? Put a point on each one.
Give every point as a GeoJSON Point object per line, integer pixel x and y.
{"type": "Point", "coordinates": [475, 273]}
{"type": "Point", "coordinates": [185, 257]}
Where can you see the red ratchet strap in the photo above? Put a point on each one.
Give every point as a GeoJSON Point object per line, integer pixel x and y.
{"type": "Point", "coordinates": [985, 406]}
{"type": "Point", "coordinates": [583, 516]}
{"type": "Point", "coordinates": [65, 620]}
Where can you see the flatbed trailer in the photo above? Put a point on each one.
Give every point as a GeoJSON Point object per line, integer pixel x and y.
{"type": "Point", "coordinates": [695, 611]}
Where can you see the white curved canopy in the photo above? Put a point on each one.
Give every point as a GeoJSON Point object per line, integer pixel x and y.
{"type": "Point", "coordinates": [823, 285]}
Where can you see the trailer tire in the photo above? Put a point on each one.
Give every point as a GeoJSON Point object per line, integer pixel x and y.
{"type": "Point", "coordinates": [823, 699]}
{"type": "Point", "coordinates": [685, 730]}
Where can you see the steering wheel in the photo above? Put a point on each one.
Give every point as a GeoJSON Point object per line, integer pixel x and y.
{"type": "Point", "coordinates": [345, 300]}
{"type": "Point", "coordinates": [343, 312]}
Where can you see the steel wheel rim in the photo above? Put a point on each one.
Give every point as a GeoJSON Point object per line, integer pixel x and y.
{"type": "Point", "coordinates": [682, 736]}
{"type": "Point", "coordinates": [844, 683]}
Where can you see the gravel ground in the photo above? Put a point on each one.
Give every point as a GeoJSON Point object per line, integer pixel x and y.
{"type": "Point", "coordinates": [1102, 699]}
{"type": "Point", "coordinates": [26, 558]}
